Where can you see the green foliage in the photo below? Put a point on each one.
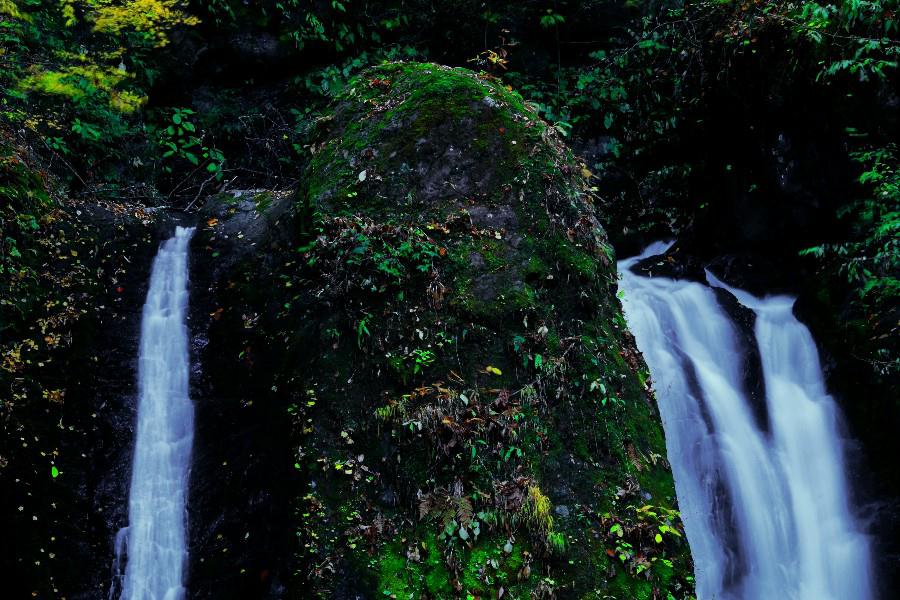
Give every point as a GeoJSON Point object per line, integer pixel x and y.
{"type": "Point", "coordinates": [872, 263]}
{"type": "Point", "coordinates": [857, 37]}
{"type": "Point", "coordinates": [25, 204]}
{"type": "Point", "coordinates": [628, 93]}
{"type": "Point", "coordinates": [336, 25]}
{"type": "Point", "coordinates": [151, 21]}
{"type": "Point", "coordinates": [536, 511]}
{"type": "Point", "coordinates": [180, 139]}
{"type": "Point", "coordinates": [870, 258]}
{"type": "Point", "coordinates": [641, 545]}
{"type": "Point", "coordinates": [396, 259]}
{"type": "Point", "coordinates": [551, 19]}
{"type": "Point", "coordinates": [77, 72]}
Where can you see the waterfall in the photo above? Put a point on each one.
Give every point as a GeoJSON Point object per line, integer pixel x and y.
{"type": "Point", "coordinates": [154, 541]}
{"type": "Point", "coordinates": [765, 505]}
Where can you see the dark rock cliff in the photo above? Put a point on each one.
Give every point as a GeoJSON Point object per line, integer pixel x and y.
{"type": "Point", "coordinates": [69, 373]}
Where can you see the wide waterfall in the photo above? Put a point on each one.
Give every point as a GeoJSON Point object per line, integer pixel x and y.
{"type": "Point", "coordinates": [154, 541]}
{"type": "Point", "coordinates": [764, 499]}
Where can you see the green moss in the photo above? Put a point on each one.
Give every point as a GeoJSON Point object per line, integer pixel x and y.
{"type": "Point", "coordinates": [437, 578]}
{"type": "Point", "coordinates": [263, 201]}
{"type": "Point", "coordinates": [537, 268]}
{"type": "Point", "coordinates": [483, 569]}
{"type": "Point", "coordinates": [494, 253]}
{"type": "Point", "coordinates": [417, 99]}
{"type": "Point", "coordinates": [395, 578]}
{"type": "Point", "coordinates": [664, 571]}
{"type": "Point", "coordinates": [626, 587]}
{"type": "Point", "coordinates": [474, 571]}
{"type": "Point", "coordinates": [576, 259]}
{"type": "Point", "coordinates": [487, 567]}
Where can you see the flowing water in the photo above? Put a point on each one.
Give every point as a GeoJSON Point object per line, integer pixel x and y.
{"type": "Point", "coordinates": [153, 545]}
{"type": "Point", "coordinates": [764, 501]}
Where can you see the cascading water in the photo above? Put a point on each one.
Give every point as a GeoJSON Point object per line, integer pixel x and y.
{"type": "Point", "coordinates": [765, 505]}
{"type": "Point", "coordinates": [154, 541]}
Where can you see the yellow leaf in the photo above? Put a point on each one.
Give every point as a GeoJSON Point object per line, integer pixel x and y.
{"type": "Point", "coordinates": [493, 370]}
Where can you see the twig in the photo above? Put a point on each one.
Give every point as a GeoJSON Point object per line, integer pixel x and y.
{"type": "Point", "coordinates": [199, 192]}
{"type": "Point", "coordinates": [57, 155]}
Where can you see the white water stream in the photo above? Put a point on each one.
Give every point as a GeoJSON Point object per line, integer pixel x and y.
{"type": "Point", "coordinates": [153, 545]}
{"type": "Point", "coordinates": [765, 505]}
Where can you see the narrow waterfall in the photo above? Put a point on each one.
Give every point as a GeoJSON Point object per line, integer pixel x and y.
{"type": "Point", "coordinates": [154, 541]}
{"type": "Point", "coordinates": [765, 505]}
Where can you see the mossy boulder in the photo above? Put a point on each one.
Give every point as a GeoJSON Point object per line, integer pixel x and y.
{"type": "Point", "coordinates": [426, 137]}
{"type": "Point", "coordinates": [469, 416]}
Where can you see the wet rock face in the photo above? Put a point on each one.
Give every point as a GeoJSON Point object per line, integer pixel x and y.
{"type": "Point", "coordinates": [64, 532]}
{"type": "Point", "coordinates": [759, 274]}
{"type": "Point", "coordinates": [744, 320]}
{"type": "Point", "coordinates": [110, 391]}
{"type": "Point", "coordinates": [244, 222]}
{"type": "Point", "coordinates": [237, 505]}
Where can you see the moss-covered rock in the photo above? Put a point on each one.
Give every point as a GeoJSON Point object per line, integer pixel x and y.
{"type": "Point", "coordinates": [469, 414]}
